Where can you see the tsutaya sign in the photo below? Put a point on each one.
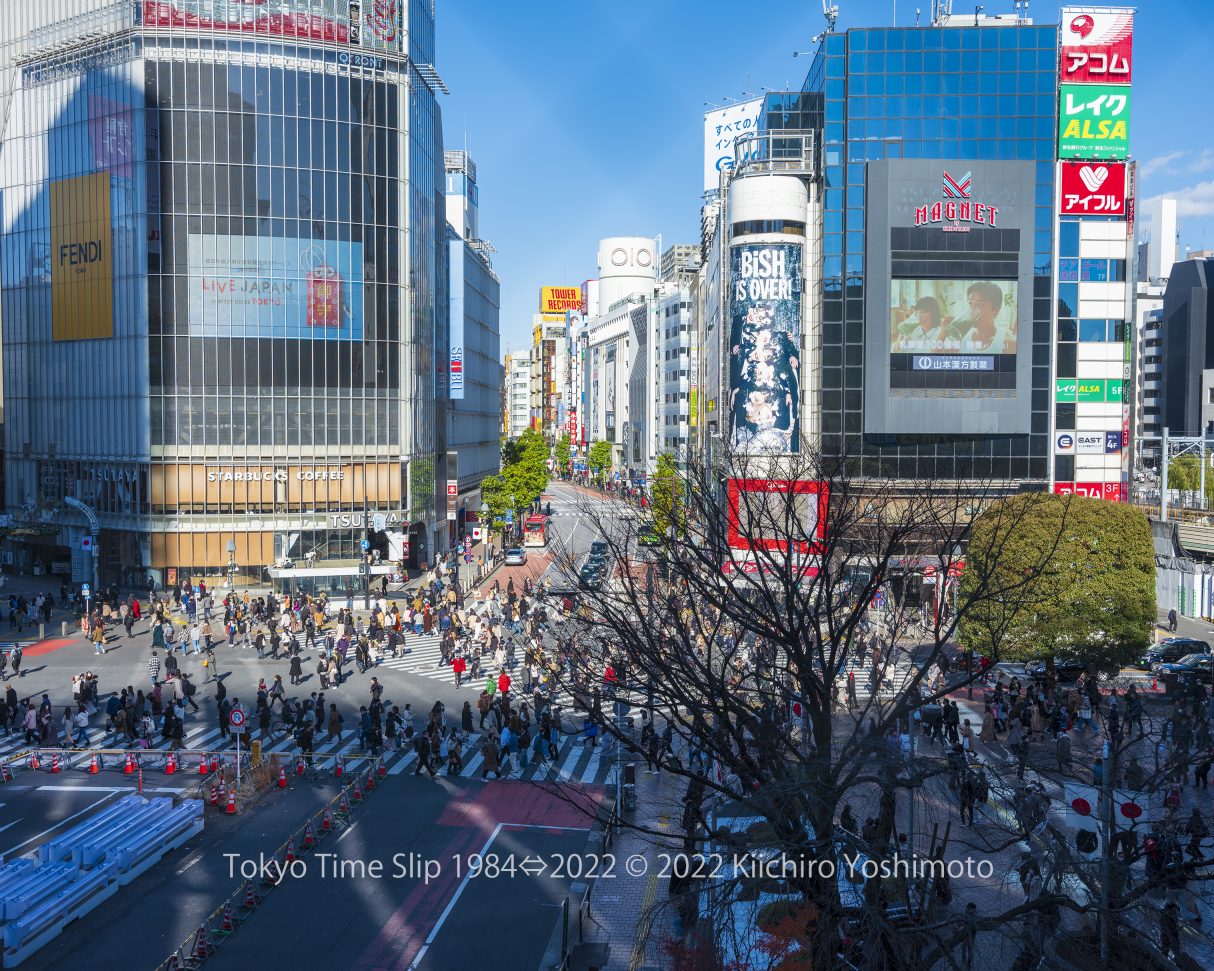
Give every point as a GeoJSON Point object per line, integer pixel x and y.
{"type": "Point", "coordinates": [357, 520]}
{"type": "Point", "coordinates": [957, 207]}
{"type": "Point", "coordinates": [272, 474]}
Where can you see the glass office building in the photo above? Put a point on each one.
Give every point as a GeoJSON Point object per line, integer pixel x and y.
{"type": "Point", "coordinates": [224, 280]}
{"type": "Point", "coordinates": [928, 104]}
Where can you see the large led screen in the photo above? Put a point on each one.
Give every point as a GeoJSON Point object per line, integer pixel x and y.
{"type": "Point", "coordinates": [954, 325]}
{"type": "Point", "coordinates": [265, 286]}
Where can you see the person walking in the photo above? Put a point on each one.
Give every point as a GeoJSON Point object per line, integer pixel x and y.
{"type": "Point", "coordinates": [490, 763]}
{"type": "Point", "coordinates": [969, 934]}
{"type": "Point", "coordinates": [296, 671]}
{"type": "Point", "coordinates": [424, 749]}
{"type": "Point", "coordinates": [1172, 619]}
{"type": "Point", "coordinates": [208, 665]}
{"type": "Point", "coordinates": [154, 668]}
{"type": "Point", "coordinates": [14, 659]}
{"type": "Point", "coordinates": [1062, 751]}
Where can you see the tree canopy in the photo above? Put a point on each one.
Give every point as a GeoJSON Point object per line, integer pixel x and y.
{"type": "Point", "coordinates": [523, 478]}
{"type": "Point", "coordinates": [599, 457]}
{"type": "Point", "coordinates": [564, 450]}
{"type": "Point", "coordinates": [666, 494]}
{"type": "Point", "coordinates": [1067, 574]}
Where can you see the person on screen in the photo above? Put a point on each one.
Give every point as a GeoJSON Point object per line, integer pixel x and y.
{"type": "Point", "coordinates": [921, 327]}
{"type": "Point", "coordinates": [984, 331]}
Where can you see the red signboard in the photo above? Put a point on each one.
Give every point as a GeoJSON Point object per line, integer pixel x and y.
{"type": "Point", "coordinates": [1110, 491]}
{"type": "Point", "coordinates": [761, 517]}
{"type": "Point", "coordinates": [1093, 188]}
{"type": "Point", "coordinates": [1096, 47]}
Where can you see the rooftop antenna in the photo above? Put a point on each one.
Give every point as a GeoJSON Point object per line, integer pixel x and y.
{"type": "Point", "coordinates": [831, 12]}
{"type": "Point", "coordinates": [978, 8]}
{"type": "Point", "coordinates": [1022, 11]}
{"type": "Point", "coordinates": [917, 13]}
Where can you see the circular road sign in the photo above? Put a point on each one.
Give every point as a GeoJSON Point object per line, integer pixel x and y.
{"type": "Point", "coordinates": [236, 718]}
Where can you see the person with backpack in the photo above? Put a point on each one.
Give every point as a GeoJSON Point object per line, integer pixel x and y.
{"type": "Point", "coordinates": [188, 690]}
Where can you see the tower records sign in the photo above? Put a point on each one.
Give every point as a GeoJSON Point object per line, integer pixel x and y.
{"type": "Point", "coordinates": [765, 282]}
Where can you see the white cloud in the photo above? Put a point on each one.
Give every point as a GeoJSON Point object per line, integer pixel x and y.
{"type": "Point", "coordinates": [1159, 165]}
{"type": "Point", "coordinates": [1192, 201]}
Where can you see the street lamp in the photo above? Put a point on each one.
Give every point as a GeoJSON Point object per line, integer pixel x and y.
{"type": "Point", "coordinates": [231, 562]}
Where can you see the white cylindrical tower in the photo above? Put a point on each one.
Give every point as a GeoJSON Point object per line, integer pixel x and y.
{"type": "Point", "coordinates": [627, 265]}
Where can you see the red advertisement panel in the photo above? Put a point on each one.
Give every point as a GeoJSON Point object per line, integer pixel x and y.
{"type": "Point", "coordinates": [1110, 491]}
{"type": "Point", "coordinates": [1093, 188]}
{"type": "Point", "coordinates": [1096, 47]}
{"type": "Point", "coordinates": [760, 516]}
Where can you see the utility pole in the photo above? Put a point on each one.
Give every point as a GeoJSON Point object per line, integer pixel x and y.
{"type": "Point", "coordinates": [1163, 479]}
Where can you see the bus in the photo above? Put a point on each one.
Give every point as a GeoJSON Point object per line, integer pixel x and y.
{"type": "Point", "coordinates": [535, 530]}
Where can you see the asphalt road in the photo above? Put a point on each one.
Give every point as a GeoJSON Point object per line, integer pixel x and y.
{"type": "Point", "coordinates": [422, 909]}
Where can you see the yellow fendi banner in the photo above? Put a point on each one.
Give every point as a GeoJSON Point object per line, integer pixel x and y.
{"type": "Point", "coordinates": [82, 287]}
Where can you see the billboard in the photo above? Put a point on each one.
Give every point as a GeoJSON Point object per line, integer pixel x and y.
{"type": "Point", "coordinates": [1097, 48]}
{"type": "Point", "coordinates": [455, 311]}
{"type": "Point", "coordinates": [953, 324]}
{"type": "Point", "coordinates": [82, 284]}
{"type": "Point", "coordinates": [269, 286]}
{"type": "Point", "coordinates": [1093, 121]}
{"type": "Point", "coordinates": [773, 514]}
{"type": "Point", "coordinates": [1093, 188]}
{"type": "Point", "coordinates": [948, 341]}
{"type": "Point", "coordinates": [374, 24]}
{"type": "Point", "coordinates": [722, 127]}
{"type": "Point", "coordinates": [765, 283]}
{"type": "Point", "coordinates": [556, 301]}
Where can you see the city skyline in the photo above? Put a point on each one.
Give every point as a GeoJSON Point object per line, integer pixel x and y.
{"type": "Point", "coordinates": [554, 199]}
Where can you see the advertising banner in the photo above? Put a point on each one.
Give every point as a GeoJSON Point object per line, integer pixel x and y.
{"type": "Point", "coordinates": [112, 136]}
{"type": "Point", "coordinates": [1093, 121]}
{"type": "Point", "coordinates": [721, 128]}
{"type": "Point", "coordinates": [773, 514]}
{"type": "Point", "coordinates": [1093, 188]}
{"type": "Point", "coordinates": [948, 320]}
{"type": "Point", "coordinates": [82, 285]}
{"type": "Point", "coordinates": [555, 301]}
{"type": "Point", "coordinates": [455, 309]}
{"type": "Point", "coordinates": [765, 281]}
{"type": "Point", "coordinates": [1110, 491]}
{"type": "Point", "coordinates": [263, 286]}
{"type": "Point", "coordinates": [375, 24]}
{"type": "Point", "coordinates": [1096, 47]}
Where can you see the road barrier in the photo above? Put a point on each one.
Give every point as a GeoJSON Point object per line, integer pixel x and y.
{"type": "Point", "coordinates": [238, 906]}
{"type": "Point", "coordinates": [85, 866]}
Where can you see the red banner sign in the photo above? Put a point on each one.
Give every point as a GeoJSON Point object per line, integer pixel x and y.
{"type": "Point", "coordinates": [1096, 47]}
{"type": "Point", "coordinates": [1110, 491]}
{"type": "Point", "coordinates": [1093, 188]}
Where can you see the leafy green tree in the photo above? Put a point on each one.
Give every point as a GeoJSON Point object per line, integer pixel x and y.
{"type": "Point", "coordinates": [1059, 575]}
{"type": "Point", "coordinates": [1184, 473]}
{"type": "Point", "coordinates": [599, 458]}
{"type": "Point", "coordinates": [666, 495]}
{"type": "Point", "coordinates": [564, 452]}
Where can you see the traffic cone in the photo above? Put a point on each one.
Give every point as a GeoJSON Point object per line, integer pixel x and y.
{"type": "Point", "coordinates": [231, 807]}
{"type": "Point", "coordinates": [6, 774]}
{"type": "Point", "coordinates": [300, 768]}
{"type": "Point", "coordinates": [33, 763]}
{"type": "Point", "coordinates": [94, 768]}
{"type": "Point", "coordinates": [370, 781]}
{"type": "Point", "coordinates": [326, 821]}
{"type": "Point", "coordinates": [343, 807]}
{"type": "Point", "coordinates": [290, 857]}
{"type": "Point", "coordinates": [357, 794]}
{"type": "Point", "coordinates": [282, 778]}
{"type": "Point", "coordinates": [270, 873]}
{"type": "Point", "coordinates": [175, 961]}
{"type": "Point", "coordinates": [171, 765]}
{"type": "Point", "coordinates": [214, 763]}
{"type": "Point", "coordinates": [250, 895]}
{"type": "Point", "coordinates": [340, 769]}
{"type": "Point", "coordinates": [227, 923]}
{"type": "Point", "coordinates": [309, 838]}
{"type": "Point", "coordinates": [214, 795]}
{"type": "Point", "coordinates": [1154, 682]}
{"type": "Point", "coordinates": [381, 770]}
{"type": "Point", "coordinates": [129, 767]}
{"type": "Point", "coordinates": [203, 947]}
{"type": "Point", "coordinates": [54, 763]}
{"type": "Point", "coordinates": [202, 765]}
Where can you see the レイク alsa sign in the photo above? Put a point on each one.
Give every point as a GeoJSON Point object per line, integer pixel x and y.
{"type": "Point", "coordinates": [957, 207]}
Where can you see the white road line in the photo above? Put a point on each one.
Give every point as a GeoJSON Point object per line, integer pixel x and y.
{"type": "Point", "coordinates": [50, 829]}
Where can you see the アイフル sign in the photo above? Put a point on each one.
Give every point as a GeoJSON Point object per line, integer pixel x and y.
{"type": "Point", "coordinates": [1093, 189]}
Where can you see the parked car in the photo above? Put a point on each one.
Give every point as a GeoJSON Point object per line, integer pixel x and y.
{"type": "Point", "coordinates": [516, 557]}
{"type": "Point", "coordinates": [1199, 666]}
{"type": "Point", "coordinates": [1172, 650]}
{"type": "Point", "coordinates": [649, 536]}
{"type": "Point", "coordinates": [598, 549]}
{"type": "Point", "coordinates": [1066, 670]}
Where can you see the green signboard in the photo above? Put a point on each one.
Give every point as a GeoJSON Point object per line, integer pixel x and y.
{"type": "Point", "coordinates": [1114, 390]}
{"type": "Point", "coordinates": [1065, 389]}
{"type": "Point", "coordinates": [1091, 390]}
{"type": "Point", "coordinates": [1093, 121]}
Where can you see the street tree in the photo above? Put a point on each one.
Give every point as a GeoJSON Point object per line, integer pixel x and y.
{"type": "Point", "coordinates": [1093, 593]}
{"type": "Point", "coordinates": [665, 495]}
{"type": "Point", "coordinates": [792, 579]}
{"type": "Point", "coordinates": [599, 458]}
{"type": "Point", "coordinates": [523, 478]}
{"type": "Point", "coordinates": [564, 452]}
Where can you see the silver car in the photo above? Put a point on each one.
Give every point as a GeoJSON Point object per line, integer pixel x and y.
{"type": "Point", "coordinates": [516, 557]}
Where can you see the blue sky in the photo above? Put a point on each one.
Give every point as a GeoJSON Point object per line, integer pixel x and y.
{"type": "Point", "coordinates": [585, 119]}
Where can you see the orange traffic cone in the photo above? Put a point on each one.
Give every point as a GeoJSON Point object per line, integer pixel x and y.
{"type": "Point", "coordinates": [326, 821]}
{"type": "Point", "coordinates": [340, 769]}
{"type": "Point", "coordinates": [231, 808]}
{"type": "Point", "coordinates": [203, 947]}
{"type": "Point", "coordinates": [214, 763]}
{"type": "Point", "coordinates": [202, 765]}
{"type": "Point", "coordinates": [282, 778]}
{"type": "Point", "coordinates": [6, 774]}
{"type": "Point", "coordinates": [290, 857]}
{"type": "Point", "coordinates": [94, 768]}
{"type": "Point", "coordinates": [299, 766]}
{"type": "Point", "coordinates": [227, 923]}
{"type": "Point", "coordinates": [381, 770]}
{"type": "Point", "coordinates": [309, 839]}
{"type": "Point", "coordinates": [343, 807]}
{"type": "Point", "coordinates": [33, 763]}
{"type": "Point", "coordinates": [250, 895]}
{"type": "Point", "coordinates": [370, 781]}
{"type": "Point", "coordinates": [1154, 682]}
{"type": "Point", "coordinates": [54, 763]}
{"type": "Point", "coordinates": [129, 767]}
{"type": "Point", "coordinates": [171, 765]}
{"type": "Point", "coordinates": [271, 873]}
{"type": "Point", "coordinates": [357, 794]}
{"type": "Point", "coordinates": [214, 795]}
{"type": "Point", "coordinates": [175, 961]}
